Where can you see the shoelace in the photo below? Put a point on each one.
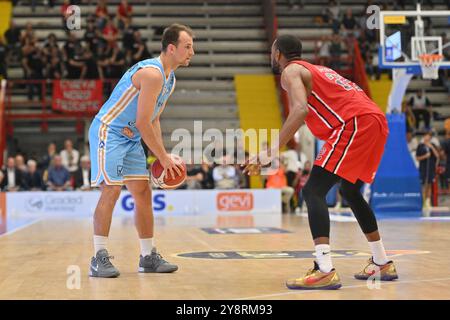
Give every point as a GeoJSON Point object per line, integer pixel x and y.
{"type": "Point", "coordinates": [157, 257]}
{"type": "Point", "coordinates": [105, 261]}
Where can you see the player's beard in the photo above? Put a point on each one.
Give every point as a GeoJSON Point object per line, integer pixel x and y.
{"type": "Point", "coordinates": [276, 67]}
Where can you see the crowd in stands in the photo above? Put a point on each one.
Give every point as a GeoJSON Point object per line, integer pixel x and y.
{"type": "Point", "coordinates": [53, 171]}
{"type": "Point", "coordinates": [97, 55]}
{"type": "Point", "coordinates": [66, 171]}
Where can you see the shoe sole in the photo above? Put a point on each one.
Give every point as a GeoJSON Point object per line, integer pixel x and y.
{"type": "Point", "coordinates": [96, 275]}
{"type": "Point", "coordinates": [384, 278]}
{"type": "Point", "coordinates": [332, 287]}
{"type": "Point", "coordinates": [145, 270]}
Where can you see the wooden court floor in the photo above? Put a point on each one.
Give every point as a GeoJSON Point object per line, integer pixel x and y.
{"type": "Point", "coordinates": [35, 261]}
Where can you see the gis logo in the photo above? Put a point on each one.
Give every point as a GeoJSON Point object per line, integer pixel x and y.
{"type": "Point", "coordinates": [234, 201]}
{"type": "Point", "coordinates": [159, 202]}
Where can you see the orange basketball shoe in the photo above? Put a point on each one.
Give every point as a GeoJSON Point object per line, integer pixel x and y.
{"type": "Point", "coordinates": [316, 280]}
{"type": "Point", "coordinates": [385, 272]}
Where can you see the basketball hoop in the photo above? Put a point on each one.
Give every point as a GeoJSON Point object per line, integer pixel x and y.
{"type": "Point", "coordinates": [430, 63]}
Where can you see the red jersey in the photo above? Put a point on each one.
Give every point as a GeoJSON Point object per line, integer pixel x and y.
{"type": "Point", "coordinates": [333, 101]}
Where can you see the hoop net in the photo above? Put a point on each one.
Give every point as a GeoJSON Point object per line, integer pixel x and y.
{"type": "Point", "coordinates": [429, 63]}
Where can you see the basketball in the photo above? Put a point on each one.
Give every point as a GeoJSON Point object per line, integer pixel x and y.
{"type": "Point", "coordinates": [159, 179]}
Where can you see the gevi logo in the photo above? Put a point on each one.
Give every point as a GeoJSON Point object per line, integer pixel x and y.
{"type": "Point", "coordinates": [159, 202]}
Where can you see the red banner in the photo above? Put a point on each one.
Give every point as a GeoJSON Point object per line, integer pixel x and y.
{"type": "Point", "coordinates": [77, 95]}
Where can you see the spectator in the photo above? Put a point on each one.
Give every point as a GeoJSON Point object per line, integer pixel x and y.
{"type": "Point", "coordinates": [116, 64]}
{"type": "Point", "coordinates": [291, 164]}
{"type": "Point", "coordinates": [194, 177]}
{"type": "Point", "coordinates": [91, 68]}
{"type": "Point", "coordinates": [12, 178]}
{"type": "Point", "coordinates": [208, 181]}
{"type": "Point", "coordinates": [128, 37]}
{"type": "Point", "coordinates": [51, 44]}
{"type": "Point", "coordinates": [101, 14]}
{"type": "Point", "coordinates": [421, 108]}
{"type": "Point", "coordinates": [82, 176]}
{"type": "Point", "coordinates": [28, 34]}
{"type": "Point", "coordinates": [3, 59]}
{"type": "Point", "coordinates": [71, 46]}
{"type": "Point", "coordinates": [140, 50]}
{"type": "Point", "coordinates": [20, 164]}
{"type": "Point", "coordinates": [124, 12]}
{"type": "Point", "coordinates": [334, 10]}
{"type": "Point", "coordinates": [70, 156]}
{"type": "Point", "coordinates": [349, 22]}
{"type": "Point", "coordinates": [33, 62]}
{"type": "Point", "coordinates": [47, 159]}
{"type": "Point", "coordinates": [90, 35]}
{"type": "Point", "coordinates": [300, 181]}
{"type": "Point", "coordinates": [58, 176]}
{"type": "Point", "coordinates": [76, 65]}
{"type": "Point", "coordinates": [110, 32]}
{"type": "Point", "coordinates": [335, 52]}
{"type": "Point", "coordinates": [33, 179]}
{"type": "Point", "coordinates": [413, 143]}
{"type": "Point", "coordinates": [446, 148]}
{"type": "Point", "coordinates": [224, 175]}
{"type": "Point", "coordinates": [441, 170]}
{"type": "Point", "coordinates": [428, 157]}
{"type": "Point", "coordinates": [323, 47]}
{"type": "Point", "coordinates": [54, 69]}
{"type": "Point", "coordinates": [278, 180]}
{"type": "Point", "coordinates": [12, 36]}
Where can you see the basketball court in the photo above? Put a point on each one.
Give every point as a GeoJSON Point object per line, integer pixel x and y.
{"type": "Point", "coordinates": [37, 257]}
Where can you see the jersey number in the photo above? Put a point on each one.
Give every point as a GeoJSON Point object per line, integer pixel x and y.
{"type": "Point", "coordinates": [341, 81]}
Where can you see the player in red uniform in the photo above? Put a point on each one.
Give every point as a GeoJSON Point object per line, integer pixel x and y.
{"type": "Point", "coordinates": [355, 130]}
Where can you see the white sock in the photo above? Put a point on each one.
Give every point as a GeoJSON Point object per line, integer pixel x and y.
{"type": "Point", "coordinates": [146, 246]}
{"type": "Point", "coordinates": [378, 252]}
{"type": "Point", "coordinates": [323, 257]}
{"type": "Point", "coordinates": [99, 243]}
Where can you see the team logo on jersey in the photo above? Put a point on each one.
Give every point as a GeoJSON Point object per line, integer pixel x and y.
{"type": "Point", "coordinates": [132, 124]}
{"type": "Point", "coordinates": [321, 153]}
{"type": "Point", "coordinates": [128, 132]}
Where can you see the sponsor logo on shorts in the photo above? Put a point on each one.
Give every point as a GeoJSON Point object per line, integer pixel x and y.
{"type": "Point", "coordinates": [128, 132]}
{"type": "Point", "coordinates": [120, 171]}
{"type": "Point", "coordinates": [234, 201]}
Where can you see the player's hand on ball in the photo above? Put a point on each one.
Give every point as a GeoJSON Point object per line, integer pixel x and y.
{"type": "Point", "coordinates": [173, 166]}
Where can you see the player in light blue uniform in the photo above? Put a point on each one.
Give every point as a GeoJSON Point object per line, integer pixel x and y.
{"type": "Point", "coordinates": [113, 136]}
{"type": "Point", "coordinates": [132, 112]}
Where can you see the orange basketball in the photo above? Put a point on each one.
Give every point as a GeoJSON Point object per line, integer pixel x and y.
{"type": "Point", "coordinates": [159, 179]}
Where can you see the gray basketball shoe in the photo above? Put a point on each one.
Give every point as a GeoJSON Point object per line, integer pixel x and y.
{"type": "Point", "coordinates": [101, 266]}
{"type": "Point", "coordinates": [154, 263]}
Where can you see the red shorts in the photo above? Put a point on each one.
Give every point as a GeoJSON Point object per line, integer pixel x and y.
{"type": "Point", "coordinates": [354, 150]}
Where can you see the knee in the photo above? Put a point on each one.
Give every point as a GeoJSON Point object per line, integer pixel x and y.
{"type": "Point", "coordinates": [309, 191]}
{"type": "Point", "coordinates": [111, 193]}
{"type": "Point", "coordinates": [350, 192]}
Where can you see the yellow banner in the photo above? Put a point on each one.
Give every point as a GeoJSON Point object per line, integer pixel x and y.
{"type": "Point", "coordinates": [395, 19]}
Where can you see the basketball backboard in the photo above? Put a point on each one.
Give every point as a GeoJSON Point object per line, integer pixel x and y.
{"type": "Point", "coordinates": [405, 36]}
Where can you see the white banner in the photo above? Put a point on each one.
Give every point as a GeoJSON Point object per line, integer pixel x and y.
{"type": "Point", "coordinates": [204, 207]}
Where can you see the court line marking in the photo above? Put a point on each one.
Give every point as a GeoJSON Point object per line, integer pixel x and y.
{"type": "Point", "coordinates": [384, 283]}
{"type": "Point", "coordinates": [20, 228]}
{"type": "Point", "coordinates": [206, 244]}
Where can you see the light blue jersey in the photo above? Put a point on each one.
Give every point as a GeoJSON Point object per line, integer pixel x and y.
{"type": "Point", "coordinates": [115, 148]}
{"type": "Point", "coordinates": [119, 111]}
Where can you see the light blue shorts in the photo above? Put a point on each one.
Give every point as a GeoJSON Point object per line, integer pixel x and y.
{"type": "Point", "coordinates": [114, 158]}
